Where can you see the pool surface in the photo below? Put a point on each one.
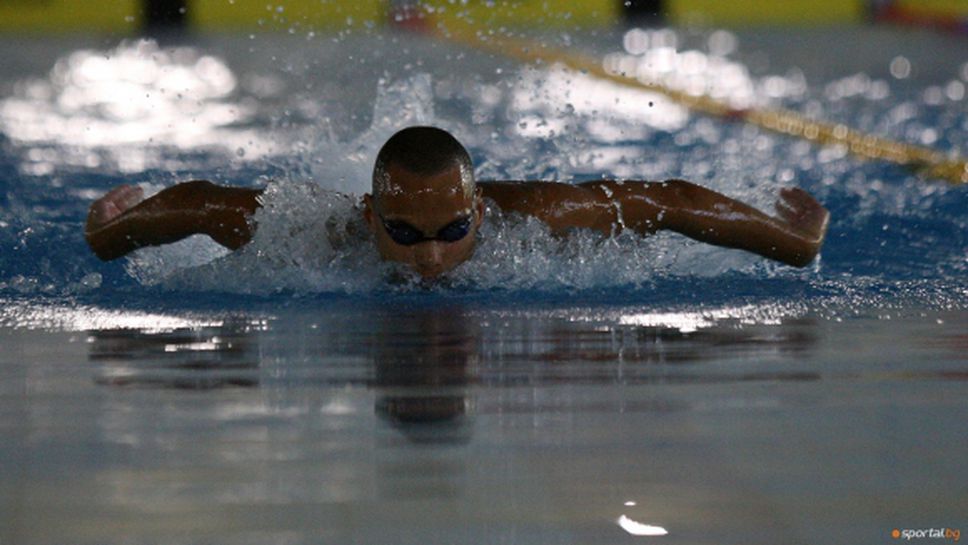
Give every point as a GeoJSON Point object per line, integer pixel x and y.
{"type": "Point", "coordinates": [581, 391]}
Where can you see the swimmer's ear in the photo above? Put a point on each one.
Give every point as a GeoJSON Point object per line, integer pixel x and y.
{"type": "Point", "coordinates": [478, 207]}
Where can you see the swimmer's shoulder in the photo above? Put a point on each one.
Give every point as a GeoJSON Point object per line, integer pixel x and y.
{"type": "Point", "coordinates": [536, 197]}
{"type": "Point", "coordinates": [519, 196]}
{"type": "Point", "coordinates": [562, 206]}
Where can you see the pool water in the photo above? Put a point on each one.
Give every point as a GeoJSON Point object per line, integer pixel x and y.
{"type": "Point", "coordinates": [577, 391]}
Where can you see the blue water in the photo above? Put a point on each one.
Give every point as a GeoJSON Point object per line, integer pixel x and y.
{"type": "Point", "coordinates": [892, 234]}
{"type": "Point", "coordinates": [548, 392]}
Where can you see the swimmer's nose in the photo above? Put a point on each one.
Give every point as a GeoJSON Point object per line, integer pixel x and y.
{"type": "Point", "coordinates": [429, 258]}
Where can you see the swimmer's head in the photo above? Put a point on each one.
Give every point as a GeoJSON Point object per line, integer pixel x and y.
{"type": "Point", "coordinates": [424, 209]}
{"type": "Point", "coordinates": [423, 151]}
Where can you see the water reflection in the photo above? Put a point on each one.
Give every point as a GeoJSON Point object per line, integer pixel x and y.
{"type": "Point", "coordinates": [490, 425]}
{"type": "Point", "coordinates": [425, 367]}
{"type": "Point", "coordinates": [129, 102]}
{"type": "Point", "coordinates": [390, 406]}
{"type": "Point", "coordinates": [417, 364]}
{"type": "Point", "coordinates": [182, 359]}
{"type": "Point", "coordinates": [639, 529]}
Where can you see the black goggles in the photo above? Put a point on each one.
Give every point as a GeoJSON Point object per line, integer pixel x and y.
{"type": "Point", "coordinates": [407, 235]}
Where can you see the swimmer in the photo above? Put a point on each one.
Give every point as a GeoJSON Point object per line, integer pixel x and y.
{"type": "Point", "coordinates": [425, 209]}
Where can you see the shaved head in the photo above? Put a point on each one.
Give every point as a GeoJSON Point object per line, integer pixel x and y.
{"type": "Point", "coordinates": [424, 151]}
{"type": "Point", "coordinates": [425, 209]}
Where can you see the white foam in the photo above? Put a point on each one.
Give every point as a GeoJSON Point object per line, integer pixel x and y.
{"type": "Point", "coordinates": [308, 240]}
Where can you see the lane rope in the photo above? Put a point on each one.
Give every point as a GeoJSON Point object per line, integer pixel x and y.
{"type": "Point", "coordinates": [926, 162]}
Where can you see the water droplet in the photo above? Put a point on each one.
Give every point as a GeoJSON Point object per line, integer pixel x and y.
{"type": "Point", "coordinates": [91, 280]}
{"type": "Point", "coordinates": [900, 67]}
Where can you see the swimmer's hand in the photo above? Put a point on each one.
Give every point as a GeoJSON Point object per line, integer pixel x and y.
{"type": "Point", "coordinates": [804, 215]}
{"type": "Point", "coordinates": [113, 204]}
{"type": "Point", "coordinates": [105, 210]}
{"type": "Point", "coordinates": [121, 222]}
{"type": "Point", "coordinates": [793, 237]}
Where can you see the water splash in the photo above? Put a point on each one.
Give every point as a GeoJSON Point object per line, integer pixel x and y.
{"type": "Point", "coordinates": [346, 166]}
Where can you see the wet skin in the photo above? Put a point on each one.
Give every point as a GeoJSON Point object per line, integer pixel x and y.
{"type": "Point", "coordinates": [428, 203]}
{"type": "Point", "coordinates": [121, 221]}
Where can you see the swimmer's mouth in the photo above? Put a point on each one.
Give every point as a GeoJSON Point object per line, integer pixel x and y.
{"type": "Point", "coordinates": [431, 272]}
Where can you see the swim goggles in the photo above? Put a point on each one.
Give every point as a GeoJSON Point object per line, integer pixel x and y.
{"type": "Point", "coordinates": [407, 235]}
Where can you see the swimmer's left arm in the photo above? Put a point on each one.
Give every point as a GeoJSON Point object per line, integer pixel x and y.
{"type": "Point", "coordinates": [794, 236]}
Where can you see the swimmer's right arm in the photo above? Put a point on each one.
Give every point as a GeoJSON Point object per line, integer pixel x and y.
{"type": "Point", "coordinates": [121, 222]}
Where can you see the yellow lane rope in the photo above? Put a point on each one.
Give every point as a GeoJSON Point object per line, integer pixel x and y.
{"type": "Point", "coordinates": [925, 161]}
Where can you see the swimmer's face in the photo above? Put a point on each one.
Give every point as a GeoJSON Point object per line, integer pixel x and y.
{"type": "Point", "coordinates": [426, 222]}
